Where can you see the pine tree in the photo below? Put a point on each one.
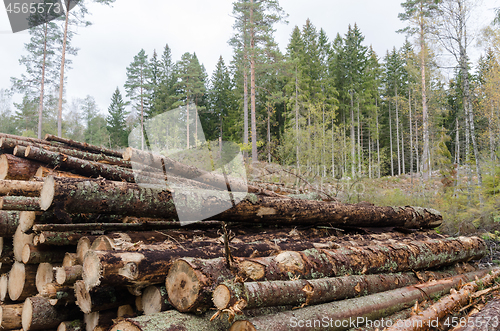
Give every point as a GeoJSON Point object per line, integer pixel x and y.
{"type": "Point", "coordinates": [7, 124]}
{"type": "Point", "coordinates": [137, 87]}
{"type": "Point", "coordinates": [25, 117]}
{"type": "Point", "coordinates": [116, 123]}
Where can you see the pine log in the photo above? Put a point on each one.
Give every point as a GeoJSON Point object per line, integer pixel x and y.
{"type": "Point", "coordinates": [106, 227]}
{"type": "Point", "coordinates": [19, 151]}
{"type": "Point", "coordinates": [20, 188]}
{"type": "Point", "coordinates": [16, 168]}
{"type": "Point", "coordinates": [10, 316]}
{"type": "Point", "coordinates": [58, 294]}
{"type": "Point", "coordinates": [316, 291]}
{"type": "Point", "coordinates": [52, 238]}
{"type": "Point", "coordinates": [82, 248]}
{"type": "Point", "coordinates": [20, 203]}
{"type": "Point", "coordinates": [155, 300]}
{"type": "Point", "coordinates": [439, 310]}
{"type": "Point", "coordinates": [4, 286]}
{"type": "Point", "coordinates": [84, 146]}
{"type": "Point", "coordinates": [45, 274]}
{"type": "Point", "coordinates": [22, 281]}
{"type": "Point", "coordinates": [125, 311]}
{"type": "Point", "coordinates": [204, 275]}
{"type": "Point", "coordinates": [32, 254]}
{"type": "Point", "coordinates": [82, 167]}
{"type": "Point", "coordinates": [70, 259]}
{"type": "Point", "coordinates": [486, 319]}
{"type": "Point", "coordinates": [76, 325]}
{"type": "Point", "coordinates": [39, 314]}
{"type": "Point", "coordinates": [46, 172]}
{"type": "Point", "coordinates": [341, 315]}
{"type": "Point", "coordinates": [9, 144]}
{"type": "Point", "coordinates": [19, 240]}
{"type": "Point", "coordinates": [29, 139]}
{"type": "Point", "coordinates": [9, 220]}
{"type": "Point", "coordinates": [99, 319]}
{"type": "Point", "coordinates": [102, 243]}
{"type": "Point", "coordinates": [100, 298]}
{"type": "Point", "coordinates": [68, 275]}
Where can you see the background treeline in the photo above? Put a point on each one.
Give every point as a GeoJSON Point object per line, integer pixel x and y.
{"type": "Point", "coordinates": [329, 104]}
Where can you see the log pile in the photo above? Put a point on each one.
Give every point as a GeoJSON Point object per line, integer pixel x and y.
{"type": "Point", "coordinates": [85, 246]}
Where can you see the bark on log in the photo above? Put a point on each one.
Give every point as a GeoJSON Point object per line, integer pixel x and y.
{"type": "Point", "coordinates": [20, 188]}
{"type": "Point", "coordinates": [446, 304]}
{"type": "Point", "coordinates": [340, 314]}
{"type": "Point", "coordinates": [204, 275]}
{"type": "Point", "coordinates": [22, 281]}
{"type": "Point", "coordinates": [487, 319]}
{"type": "Point", "coordinates": [9, 221]}
{"type": "Point", "coordinates": [45, 274]}
{"type": "Point", "coordinates": [9, 144]}
{"type": "Point", "coordinates": [46, 172]}
{"type": "Point", "coordinates": [316, 291]}
{"type": "Point", "coordinates": [84, 146]}
{"type": "Point", "coordinates": [58, 294]}
{"type": "Point", "coordinates": [10, 316]}
{"type": "Point", "coordinates": [28, 139]}
{"type": "Point", "coordinates": [76, 325]}
{"type": "Point", "coordinates": [87, 227]}
{"type": "Point", "coordinates": [16, 168]}
{"type": "Point", "coordinates": [52, 238]}
{"type": "Point", "coordinates": [101, 298]}
{"type": "Point", "coordinates": [39, 254]}
{"type": "Point", "coordinates": [68, 275]}
{"type": "Point", "coordinates": [155, 300]}
{"type": "Point", "coordinates": [20, 203]}
{"type": "Point", "coordinates": [82, 167]}
{"type": "Point", "coordinates": [39, 314]}
{"type": "Point", "coordinates": [19, 151]}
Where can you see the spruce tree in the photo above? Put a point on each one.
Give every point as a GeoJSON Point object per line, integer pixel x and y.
{"type": "Point", "coordinates": [116, 120]}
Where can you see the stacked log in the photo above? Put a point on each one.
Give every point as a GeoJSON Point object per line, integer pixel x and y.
{"type": "Point", "coordinates": [83, 244]}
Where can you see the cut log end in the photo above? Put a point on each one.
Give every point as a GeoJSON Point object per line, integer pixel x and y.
{"type": "Point", "coordinates": [44, 275]}
{"type": "Point", "coordinates": [4, 286]}
{"type": "Point", "coordinates": [183, 285]}
{"type": "Point", "coordinates": [16, 281]}
{"type": "Point", "coordinates": [221, 297]}
{"type": "Point", "coordinates": [83, 299]}
{"type": "Point", "coordinates": [26, 220]}
{"type": "Point", "coordinates": [125, 326]}
{"type": "Point", "coordinates": [47, 193]}
{"type": "Point", "coordinates": [127, 155]}
{"type": "Point", "coordinates": [242, 326]}
{"type": "Point", "coordinates": [27, 315]}
{"type": "Point", "coordinates": [82, 248]}
{"type": "Point", "coordinates": [92, 270]}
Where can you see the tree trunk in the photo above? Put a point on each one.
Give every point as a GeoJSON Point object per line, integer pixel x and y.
{"type": "Point", "coordinates": [11, 316]}
{"type": "Point", "coordinates": [19, 203]}
{"type": "Point", "coordinates": [390, 139]}
{"type": "Point", "coordinates": [22, 281]}
{"type": "Point", "coordinates": [84, 146]}
{"type": "Point", "coordinates": [9, 220]}
{"type": "Point", "coordinates": [101, 298]}
{"type": "Point", "coordinates": [252, 84]}
{"type": "Point", "coordinates": [16, 168]}
{"type": "Point", "coordinates": [425, 113]}
{"type": "Point", "coordinates": [82, 167]}
{"type": "Point", "coordinates": [341, 315]}
{"type": "Point", "coordinates": [52, 238]}
{"type": "Point", "coordinates": [446, 304]}
{"type": "Point", "coordinates": [20, 188]}
{"type": "Point", "coordinates": [39, 314]}
{"type": "Point", "coordinates": [68, 275]}
{"type": "Point", "coordinates": [61, 78]}
{"type": "Point", "coordinates": [316, 291]}
{"type": "Point", "coordinates": [314, 263]}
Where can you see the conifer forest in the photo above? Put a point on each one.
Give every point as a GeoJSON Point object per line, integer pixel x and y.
{"type": "Point", "coordinates": [408, 126]}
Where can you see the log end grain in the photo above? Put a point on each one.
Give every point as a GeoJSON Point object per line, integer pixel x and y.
{"type": "Point", "coordinates": [152, 299]}
{"type": "Point", "coordinates": [92, 270]}
{"type": "Point", "coordinates": [26, 220]}
{"type": "Point", "coordinates": [83, 299]}
{"type": "Point", "coordinates": [21, 239]}
{"type": "Point", "coordinates": [242, 326]}
{"type": "Point", "coordinates": [82, 248]}
{"type": "Point", "coordinates": [44, 275]}
{"type": "Point", "coordinates": [183, 285]}
{"type": "Point", "coordinates": [27, 314]}
{"type": "Point", "coordinates": [125, 311]}
{"type": "Point", "coordinates": [16, 281]}
{"type": "Point", "coordinates": [221, 296]}
{"type": "Point", "coordinates": [125, 326]}
{"type": "Point", "coordinates": [253, 270]}
{"type": "Point", "coordinates": [47, 193]}
{"type": "Point", "coordinates": [4, 286]}
{"type": "Point", "coordinates": [10, 316]}
{"type": "Point", "coordinates": [4, 166]}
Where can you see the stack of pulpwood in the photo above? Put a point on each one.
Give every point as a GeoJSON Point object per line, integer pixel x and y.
{"type": "Point", "coordinates": [85, 246]}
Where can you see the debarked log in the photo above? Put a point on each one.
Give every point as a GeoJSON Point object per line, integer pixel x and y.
{"type": "Point", "coordinates": [446, 304]}
{"type": "Point", "coordinates": [203, 275]}
{"type": "Point", "coordinates": [341, 315]}
{"type": "Point", "coordinates": [316, 291]}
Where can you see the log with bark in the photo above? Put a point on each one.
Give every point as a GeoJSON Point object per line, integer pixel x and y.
{"type": "Point", "coordinates": [20, 188]}
{"type": "Point", "coordinates": [22, 281]}
{"type": "Point", "coordinates": [341, 315]}
{"type": "Point", "coordinates": [54, 238]}
{"type": "Point", "coordinates": [68, 275]}
{"type": "Point", "coordinates": [9, 221]}
{"type": "Point", "coordinates": [39, 314]}
{"type": "Point", "coordinates": [155, 300]}
{"type": "Point", "coordinates": [76, 325]}
{"type": "Point", "coordinates": [316, 291]}
{"type": "Point", "coordinates": [486, 319]}
{"type": "Point", "coordinates": [58, 294]}
{"type": "Point", "coordinates": [10, 316]}
{"type": "Point", "coordinates": [31, 140]}
{"type": "Point", "coordinates": [101, 298]}
{"type": "Point", "coordinates": [32, 254]}
{"type": "Point", "coordinates": [16, 168]}
{"type": "Point", "coordinates": [439, 310]}
{"type": "Point", "coordinates": [204, 275]}
{"type": "Point", "coordinates": [82, 167]}
{"type": "Point", "coordinates": [99, 319]}
{"type": "Point", "coordinates": [84, 146]}
{"type": "Point", "coordinates": [20, 203]}
{"type": "Point", "coordinates": [46, 172]}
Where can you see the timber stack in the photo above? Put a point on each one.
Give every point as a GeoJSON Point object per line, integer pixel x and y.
{"type": "Point", "coordinates": [91, 239]}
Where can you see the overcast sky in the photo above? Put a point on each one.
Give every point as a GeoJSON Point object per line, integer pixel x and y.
{"type": "Point", "coordinates": [119, 32]}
